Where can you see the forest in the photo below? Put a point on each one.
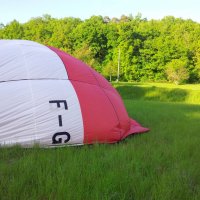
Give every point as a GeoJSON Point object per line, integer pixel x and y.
{"type": "Point", "coordinates": [144, 50]}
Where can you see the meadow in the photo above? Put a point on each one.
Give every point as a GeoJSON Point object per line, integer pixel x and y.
{"type": "Point", "coordinates": [163, 164]}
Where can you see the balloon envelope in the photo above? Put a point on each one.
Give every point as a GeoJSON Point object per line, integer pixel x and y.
{"type": "Point", "coordinates": [51, 98]}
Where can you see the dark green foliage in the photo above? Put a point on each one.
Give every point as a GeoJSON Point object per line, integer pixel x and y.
{"type": "Point", "coordinates": [146, 47]}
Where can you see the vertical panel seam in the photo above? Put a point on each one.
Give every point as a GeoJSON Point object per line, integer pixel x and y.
{"type": "Point", "coordinates": [108, 100]}
{"type": "Point", "coordinates": [31, 91]}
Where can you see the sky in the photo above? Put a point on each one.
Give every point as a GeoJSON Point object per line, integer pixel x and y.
{"type": "Point", "coordinates": [24, 10]}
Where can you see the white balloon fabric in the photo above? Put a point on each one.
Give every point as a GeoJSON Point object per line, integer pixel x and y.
{"type": "Point", "coordinates": [52, 99]}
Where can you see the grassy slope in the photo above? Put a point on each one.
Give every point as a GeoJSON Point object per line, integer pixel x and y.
{"type": "Point", "coordinates": [161, 164]}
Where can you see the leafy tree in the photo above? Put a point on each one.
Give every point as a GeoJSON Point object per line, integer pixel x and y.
{"type": "Point", "coordinates": [92, 32]}
{"type": "Point", "coordinates": [14, 30]}
{"type": "Point", "coordinates": [86, 55]}
{"type": "Point", "coordinates": [110, 71]}
{"type": "Point", "coordinates": [177, 72]}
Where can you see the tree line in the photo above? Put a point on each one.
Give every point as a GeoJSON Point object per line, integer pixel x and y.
{"type": "Point", "coordinates": [146, 50]}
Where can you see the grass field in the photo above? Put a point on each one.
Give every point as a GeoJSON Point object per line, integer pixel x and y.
{"type": "Point", "coordinates": [161, 164]}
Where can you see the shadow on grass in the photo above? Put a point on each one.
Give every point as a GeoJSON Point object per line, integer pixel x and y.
{"type": "Point", "coordinates": [153, 93]}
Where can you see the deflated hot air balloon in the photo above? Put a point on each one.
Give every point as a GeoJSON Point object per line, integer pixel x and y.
{"type": "Point", "coordinates": [50, 98]}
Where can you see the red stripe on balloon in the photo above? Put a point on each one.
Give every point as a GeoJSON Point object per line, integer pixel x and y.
{"type": "Point", "coordinates": [105, 118]}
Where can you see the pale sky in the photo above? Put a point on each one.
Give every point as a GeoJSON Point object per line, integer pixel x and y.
{"type": "Point", "coordinates": [23, 10]}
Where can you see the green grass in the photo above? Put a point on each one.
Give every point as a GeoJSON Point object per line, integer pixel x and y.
{"type": "Point", "coordinates": [163, 92]}
{"type": "Point", "coordinates": [161, 164]}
